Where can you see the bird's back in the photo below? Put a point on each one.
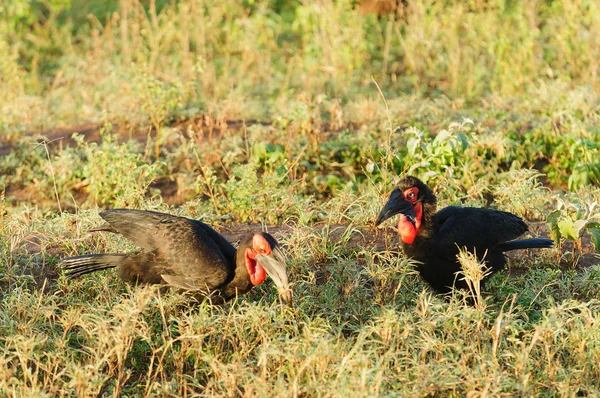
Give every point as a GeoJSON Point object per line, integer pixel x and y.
{"type": "Point", "coordinates": [187, 253]}
{"type": "Point", "coordinates": [474, 228]}
{"type": "Point", "coordinates": [477, 230]}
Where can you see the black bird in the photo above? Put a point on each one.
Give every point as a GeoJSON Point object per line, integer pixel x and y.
{"type": "Point", "coordinates": [186, 254]}
{"type": "Point", "coordinates": [434, 239]}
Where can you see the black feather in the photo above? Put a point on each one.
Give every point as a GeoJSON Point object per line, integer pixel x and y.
{"type": "Point", "coordinates": [81, 265]}
{"type": "Point", "coordinates": [441, 235]}
{"type": "Point", "coordinates": [535, 243]}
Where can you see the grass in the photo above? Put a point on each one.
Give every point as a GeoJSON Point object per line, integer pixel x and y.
{"type": "Point", "coordinates": [297, 118]}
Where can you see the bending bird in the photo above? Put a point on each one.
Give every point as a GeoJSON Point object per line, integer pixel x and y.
{"type": "Point", "coordinates": [186, 254]}
{"type": "Point", "coordinates": [434, 238]}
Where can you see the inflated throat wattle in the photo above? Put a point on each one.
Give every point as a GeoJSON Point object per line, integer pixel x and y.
{"type": "Point", "coordinates": [406, 229]}
{"type": "Point", "coordinates": [256, 273]}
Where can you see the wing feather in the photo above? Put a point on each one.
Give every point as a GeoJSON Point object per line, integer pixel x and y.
{"type": "Point", "coordinates": [197, 256]}
{"type": "Point", "coordinates": [474, 228]}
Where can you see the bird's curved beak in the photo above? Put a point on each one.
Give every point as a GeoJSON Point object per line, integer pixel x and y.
{"type": "Point", "coordinates": [274, 265]}
{"type": "Point", "coordinates": [396, 204]}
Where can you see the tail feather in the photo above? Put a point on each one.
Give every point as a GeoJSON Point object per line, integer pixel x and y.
{"type": "Point", "coordinates": [81, 265]}
{"type": "Point", "coordinates": [535, 243]}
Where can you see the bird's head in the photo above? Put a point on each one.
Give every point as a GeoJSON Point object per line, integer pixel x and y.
{"type": "Point", "coordinates": [410, 200]}
{"type": "Point", "coordinates": [263, 257]}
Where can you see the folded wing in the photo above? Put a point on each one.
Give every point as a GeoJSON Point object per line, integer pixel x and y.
{"type": "Point", "coordinates": [196, 257]}
{"type": "Point", "coordinates": [474, 228]}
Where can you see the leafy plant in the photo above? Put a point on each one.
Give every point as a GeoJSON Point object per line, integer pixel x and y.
{"type": "Point", "coordinates": [571, 158]}
{"type": "Point", "coordinates": [570, 220]}
{"type": "Point", "coordinates": [158, 100]}
{"type": "Point", "coordinates": [269, 156]}
{"type": "Point", "coordinates": [429, 156]}
{"type": "Point", "coordinates": [521, 192]}
{"type": "Point", "coordinates": [248, 196]}
{"type": "Point", "coordinates": [115, 173]}
{"type": "Point", "coordinates": [586, 170]}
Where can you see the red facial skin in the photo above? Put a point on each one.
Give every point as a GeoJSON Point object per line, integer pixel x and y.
{"type": "Point", "coordinates": [407, 230]}
{"type": "Point", "coordinates": [255, 271]}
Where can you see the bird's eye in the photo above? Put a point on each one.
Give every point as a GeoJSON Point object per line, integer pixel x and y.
{"type": "Point", "coordinates": [411, 195]}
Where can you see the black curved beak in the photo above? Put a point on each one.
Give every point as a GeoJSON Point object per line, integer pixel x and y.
{"type": "Point", "coordinates": [396, 204]}
{"type": "Point", "coordinates": [275, 266]}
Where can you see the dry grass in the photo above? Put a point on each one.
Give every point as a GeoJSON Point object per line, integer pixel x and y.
{"type": "Point", "coordinates": [265, 115]}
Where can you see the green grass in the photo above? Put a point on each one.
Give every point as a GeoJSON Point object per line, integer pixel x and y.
{"type": "Point", "coordinates": [298, 117]}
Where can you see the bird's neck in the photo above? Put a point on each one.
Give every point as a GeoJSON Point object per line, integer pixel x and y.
{"type": "Point", "coordinates": [240, 278]}
{"type": "Point", "coordinates": [411, 233]}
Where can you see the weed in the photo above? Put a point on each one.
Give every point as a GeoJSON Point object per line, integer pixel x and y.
{"type": "Point", "coordinates": [571, 219]}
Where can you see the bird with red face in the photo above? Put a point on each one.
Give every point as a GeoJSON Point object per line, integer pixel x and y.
{"type": "Point", "coordinates": [433, 238]}
{"type": "Point", "coordinates": [186, 254]}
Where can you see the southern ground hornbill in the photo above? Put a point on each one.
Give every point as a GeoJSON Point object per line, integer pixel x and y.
{"type": "Point", "coordinates": [186, 254]}
{"type": "Point", "coordinates": [434, 238]}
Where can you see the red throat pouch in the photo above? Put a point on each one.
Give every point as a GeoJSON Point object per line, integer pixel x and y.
{"type": "Point", "coordinates": [406, 229]}
{"type": "Point", "coordinates": [256, 273]}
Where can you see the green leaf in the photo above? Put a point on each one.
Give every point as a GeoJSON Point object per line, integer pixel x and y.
{"type": "Point", "coordinates": [464, 141]}
{"type": "Point", "coordinates": [567, 229]}
{"type": "Point", "coordinates": [595, 234]}
{"type": "Point", "coordinates": [552, 223]}
{"type": "Point", "coordinates": [413, 144]}
{"type": "Point", "coordinates": [423, 164]}
{"type": "Point", "coordinates": [442, 136]}
{"type": "Point", "coordinates": [578, 178]}
{"type": "Point", "coordinates": [595, 168]}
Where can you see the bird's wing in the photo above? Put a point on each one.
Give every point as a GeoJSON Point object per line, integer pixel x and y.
{"type": "Point", "coordinates": [479, 229]}
{"type": "Point", "coordinates": [197, 257]}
